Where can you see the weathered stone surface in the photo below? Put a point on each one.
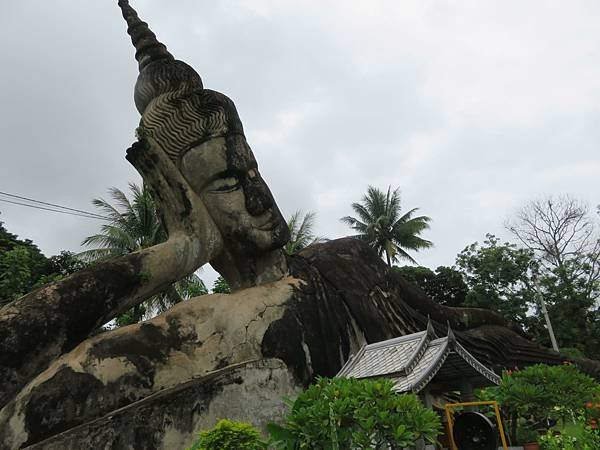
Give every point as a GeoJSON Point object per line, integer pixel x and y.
{"type": "Point", "coordinates": [116, 368]}
{"type": "Point", "coordinates": [384, 305]}
{"type": "Point", "coordinates": [310, 320]}
{"type": "Point", "coordinates": [51, 320]}
{"type": "Point", "coordinates": [170, 419]}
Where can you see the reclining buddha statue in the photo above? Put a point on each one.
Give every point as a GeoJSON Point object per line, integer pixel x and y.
{"type": "Point", "coordinates": [288, 319]}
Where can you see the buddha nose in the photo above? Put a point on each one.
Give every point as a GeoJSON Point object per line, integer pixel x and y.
{"type": "Point", "coordinates": [258, 196]}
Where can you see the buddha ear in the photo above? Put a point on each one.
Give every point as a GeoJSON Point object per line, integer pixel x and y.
{"type": "Point", "coordinates": [180, 209]}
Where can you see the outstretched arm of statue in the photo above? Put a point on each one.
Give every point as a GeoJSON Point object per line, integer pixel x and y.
{"type": "Point", "coordinates": [45, 323]}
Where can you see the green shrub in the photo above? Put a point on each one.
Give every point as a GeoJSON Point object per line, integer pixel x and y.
{"type": "Point", "coordinates": [540, 396]}
{"type": "Point", "coordinates": [230, 435]}
{"type": "Point", "coordinates": [576, 435]}
{"type": "Point", "coordinates": [345, 413]}
{"type": "Point", "coordinates": [526, 435]}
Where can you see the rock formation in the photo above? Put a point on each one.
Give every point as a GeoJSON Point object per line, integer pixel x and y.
{"type": "Point", "coordinates": [153, 384]}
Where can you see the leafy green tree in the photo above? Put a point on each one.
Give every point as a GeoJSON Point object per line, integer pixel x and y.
{"type": "Point", "coordinates": [573, 311]}
{"type": "Point", "coordinates": [133, 225]}
{"type": "Point", "coordinates": [220, 286]}
{"type": "Point", "coordinates": [565, 239]}
{"type": "Point", "coordinates": [66, 263]}
{"type": "Point", "coordinates": [192, 288]}
{"type": "Point", "coordinates": [499, 277]}
{"type": "Point", "coordinates": [380, 224]}
{"type": "Point", "coordinates": [301, 232]}
{"type": "Point", "coordinates": [446, 285]}
{"type": "Point", "coordinates": [510, 280]}
{"type": "Point", "coordinates": [23, 267]}
{"type": "Point", "coordinates": [230, 435]}
{"type": "Point", "coordinates": [539, 395]}
{"type": "Point", "coordinates": [61, 265]}
{"type": "Point", "coordinates": [346, 413]}
{"type": "Point", "coordinates": [16, 276]}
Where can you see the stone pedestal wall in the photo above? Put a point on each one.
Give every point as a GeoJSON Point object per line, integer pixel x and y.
{"type": "Point", "coordinates": [170, 419]}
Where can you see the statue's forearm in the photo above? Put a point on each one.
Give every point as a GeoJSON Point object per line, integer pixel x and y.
{"type": "Point", "coordinates": [45, 323]}
{"type": "Point", "coordinates": [153, 270]}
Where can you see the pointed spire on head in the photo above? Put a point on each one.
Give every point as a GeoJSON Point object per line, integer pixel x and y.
{"type": "Point", "coordinates": [160, 72]}
{"type": "Point", "coordinates": [176, 109]}
{"type": "Point", "coordinates": [148, 48]}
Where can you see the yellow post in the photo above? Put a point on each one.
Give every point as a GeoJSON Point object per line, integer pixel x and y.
{"type": "Point", "coordinates": [449, 417]}
{"type": "Point", "coordinates": [500, 426]}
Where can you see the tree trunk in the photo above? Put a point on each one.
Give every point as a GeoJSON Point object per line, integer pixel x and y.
{"type": "Point", "coordinates": [513, 429]}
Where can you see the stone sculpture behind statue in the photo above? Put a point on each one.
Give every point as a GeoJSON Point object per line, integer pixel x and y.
{"type": "Point", "coordinates": [151, 385]}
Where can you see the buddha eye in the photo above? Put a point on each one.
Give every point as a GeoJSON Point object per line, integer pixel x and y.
{"type": "Point", "coordinates": [227, 183]}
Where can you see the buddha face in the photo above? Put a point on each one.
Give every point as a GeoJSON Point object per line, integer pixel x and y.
{"type": "Point", "coordinates": [225, 174]}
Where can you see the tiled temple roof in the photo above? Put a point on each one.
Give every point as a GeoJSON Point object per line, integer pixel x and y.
{"type": "Point", "coordinates": [412, 361]}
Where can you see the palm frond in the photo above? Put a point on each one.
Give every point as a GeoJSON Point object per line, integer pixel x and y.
{"type": "Point", "coordinates": [364, 213]}
{"type": "Point", "coordinates": [107, 209]}
{"type": "Point", "coordinates": [401, 254]}
{"type": "Point", "coordinates": [355, 224]}
{"type": "Point", "coordinates": [392, 204]}
{"type": "Point", "coordinates": [121, 199]}
{"type": "Point", "coordinates": [301, 231]}
{"type": "Point", "coordinates": [380, 224]}
{"type": "Point", "coordinates": [96, 254]}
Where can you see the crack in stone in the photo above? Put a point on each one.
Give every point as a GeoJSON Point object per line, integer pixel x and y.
{"type": "Point", "coordinates": [258, 316]}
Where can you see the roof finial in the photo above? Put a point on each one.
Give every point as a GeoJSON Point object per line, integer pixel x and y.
{"type": "Point", "coordinates": [451, 336]}
{"type": "Point", "coordinates": [148, 48]}
{"type": "Point", "coordinates": [430, 328]}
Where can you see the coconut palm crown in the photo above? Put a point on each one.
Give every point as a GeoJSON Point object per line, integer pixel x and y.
{"type": "Point", "coordinates": [380, 224]}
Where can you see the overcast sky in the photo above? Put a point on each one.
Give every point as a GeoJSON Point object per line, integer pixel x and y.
{"type": "Point", "coordinates": [470, 107]}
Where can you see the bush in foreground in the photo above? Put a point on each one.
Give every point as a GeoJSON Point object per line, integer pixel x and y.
{"type": "Point", "coordinates": [541, 397]}
{"type": "Point", "coordinates": [230, 435]}
{"type": "Point", "coordinates": [345, 413]}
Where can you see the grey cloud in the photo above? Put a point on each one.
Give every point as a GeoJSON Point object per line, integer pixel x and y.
{"type": "Point", "coordinates": [360, 112]}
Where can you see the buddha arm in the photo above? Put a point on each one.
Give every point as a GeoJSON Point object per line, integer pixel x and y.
{"type": "Point", "coordinates": [45, 323]}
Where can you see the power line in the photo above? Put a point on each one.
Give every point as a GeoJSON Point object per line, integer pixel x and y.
{"type": "Point", "coordinates": [89, 216]}
{"type": "Point", "coordinates": [52, 204]}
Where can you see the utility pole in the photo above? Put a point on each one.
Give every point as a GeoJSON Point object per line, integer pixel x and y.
{"type": "Point", "coordinates": [542, 303]}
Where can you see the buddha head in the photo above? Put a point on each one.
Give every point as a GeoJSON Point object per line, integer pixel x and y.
{"type": "Point", "coordinates": [202, 134]}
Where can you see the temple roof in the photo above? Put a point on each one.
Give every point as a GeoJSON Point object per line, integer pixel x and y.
{"type": "Point", "coordinates": [414, 360]}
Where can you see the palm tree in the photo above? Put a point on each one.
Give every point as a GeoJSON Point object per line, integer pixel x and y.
{"type": "Point", "coordinates": [379, 223]}
{"type": "Point", "coordinates": [133, 225]}
{"type": "Point", "coordinates": [301, 232]}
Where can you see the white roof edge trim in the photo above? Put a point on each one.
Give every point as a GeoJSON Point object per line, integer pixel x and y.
{"type": "Point", "coordinates": [397, 340]}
